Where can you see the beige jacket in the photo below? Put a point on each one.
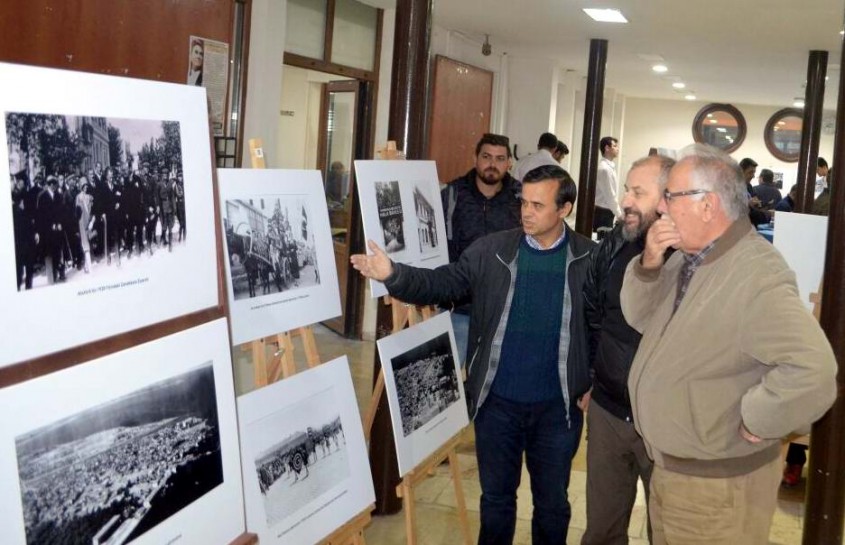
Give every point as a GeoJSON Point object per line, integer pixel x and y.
{"type": "Point", "coordinates": [741, 348]}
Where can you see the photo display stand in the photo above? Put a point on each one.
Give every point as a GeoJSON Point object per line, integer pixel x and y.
{"type": "Point", "coordinates": [99, 346]}
{"type": "Point", "coordinates": [284, 366]}
{"type": "Point", "coordinates": [403, 315]}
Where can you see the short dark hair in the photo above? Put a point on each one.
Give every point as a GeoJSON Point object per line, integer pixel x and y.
{"type": "Point", "coordinates": [820, 162]}
{"type": "Point", "coordinates": [767, 176]}
{"type": "Point", "coordinates": [607, 141]}
{"type": "Point", "coordinates": [494, 140]}
{"type": "Point", "coordinates": [747, 163]}
{"type": "Point", "coordinates": [566, 185]}
{"type": "Point", "coordinates": [794, 188]}
{"type": "Point", "coordinates": [547, 140]}
{"type": "Point", "coordinates": [562, 148]}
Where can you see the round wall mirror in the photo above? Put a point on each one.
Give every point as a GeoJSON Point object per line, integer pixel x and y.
{"type": "Point", "coordinates": [783, 134]}
{"type": "Point", "coordinates": [719, 125]}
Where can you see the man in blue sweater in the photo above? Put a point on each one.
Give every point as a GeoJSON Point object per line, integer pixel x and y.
{"type": "Point", "coordinates": [528, 340]}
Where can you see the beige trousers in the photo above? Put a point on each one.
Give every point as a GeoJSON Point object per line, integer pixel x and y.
{"type": "Point", "coordinates": [687, 510]}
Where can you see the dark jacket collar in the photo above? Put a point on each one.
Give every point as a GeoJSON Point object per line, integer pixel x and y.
{"type": "Point", "coordinates": [508, 186]}
{"type": "Point", "coordinates": [729, 239]}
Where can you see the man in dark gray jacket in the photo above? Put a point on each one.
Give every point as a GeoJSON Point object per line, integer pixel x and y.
{"type": "Point", "coordinates": [528, 341]}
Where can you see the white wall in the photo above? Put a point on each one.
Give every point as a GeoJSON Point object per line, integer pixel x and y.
{"type": "Point", "coordinates": [668, 124]}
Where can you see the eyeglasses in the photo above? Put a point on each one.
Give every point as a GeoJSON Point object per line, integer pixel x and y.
{"type": "Point", "coordinates": [669, 195]}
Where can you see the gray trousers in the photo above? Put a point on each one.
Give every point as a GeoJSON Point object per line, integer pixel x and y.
{"type": "Point", "coordinates": [616, 458]}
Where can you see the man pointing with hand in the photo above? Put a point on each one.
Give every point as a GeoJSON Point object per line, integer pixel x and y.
{"type": "Point", "coordinates": [528, 341]}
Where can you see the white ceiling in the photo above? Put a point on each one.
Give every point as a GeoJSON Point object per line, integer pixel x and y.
{"type": "Point", "coordinates": [737, 51]}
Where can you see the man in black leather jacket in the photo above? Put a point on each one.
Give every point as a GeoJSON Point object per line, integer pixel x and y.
{"type": "Point", "coordinates": [616, 456]}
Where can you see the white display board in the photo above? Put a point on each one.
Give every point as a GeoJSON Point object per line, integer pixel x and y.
{"type": "Point", "coordinates": [424, 389]}
{"type": "Point", "coordinates": [304, 458]}
{"type": "Point", "coordinates": [802, 239]}
{"type": "Point", "coordinates": [403, 213]}
{"type": "Point", "coordinates": [280, 267]}
{"type": "Point", "coordinates": [62, 124]}
{"type": "Point", "coordinates": [138, 446]}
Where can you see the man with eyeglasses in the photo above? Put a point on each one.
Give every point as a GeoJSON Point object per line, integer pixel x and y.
{"type": "Point", "coordinates": [616, 455]}
{"type": "Point", "coordinates": [717, 381]}
{"type": "Point", "coordinates": [482, 201]}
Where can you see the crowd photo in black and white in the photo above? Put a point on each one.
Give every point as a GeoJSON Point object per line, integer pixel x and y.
{"type": "Point", "coordinates": [91, 194]}
{"type": "Point", "coordinates": [271, 245]}
{"type": "Point", "coordinates": [112, 472]}
{"type": "Point", "coordinates": [426, 382]}
{"type": "Point", "coordinates": [306, 463]}
{"type": "Point", "coordinates": [389, 204]}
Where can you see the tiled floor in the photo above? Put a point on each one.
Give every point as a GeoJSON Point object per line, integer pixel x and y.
{"type": "Point", "coordinates": [435, 498]}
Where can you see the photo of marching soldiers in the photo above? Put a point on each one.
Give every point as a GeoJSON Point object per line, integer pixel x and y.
{"type": "Point", "coordinates": [426, 382]}
{"type": "Point", "coordinates": [309, 461]}
{"type": "Point", "coordinates": [89, 194]}
{"type": "Point", "coordinates": [389, 203]}
{"type": "Point", "coordinates": [426, 227]}
{"type": "Point", "coordinates": [112, 472]}
{"type": "Point", "coordinates": [271, 245]}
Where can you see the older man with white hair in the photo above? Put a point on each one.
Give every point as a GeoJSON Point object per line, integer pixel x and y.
{"type": "Point", "coordinates": [730, 361]}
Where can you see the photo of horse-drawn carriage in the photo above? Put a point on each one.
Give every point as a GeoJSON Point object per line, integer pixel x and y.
{"type": "Point", "coordinates": [271, 248]}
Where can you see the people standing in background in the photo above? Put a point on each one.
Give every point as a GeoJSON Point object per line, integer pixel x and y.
{"type": "Point", "coordinates": [560, 152]}
{"type": "Point", "coordinates": [821, 176]}
{"type": "Point", "coordinates": [482, 201]}
{"type": "Point", "coordinates": [766, 192]}
{"type": "Point", "coordinates": [546, 148]}
{"type": "Point", "coordinates": [757, 216]}
{"type": "Point", "coordinates": [607, 208]}
{"type": "Point", "coordinates": [787, 204]}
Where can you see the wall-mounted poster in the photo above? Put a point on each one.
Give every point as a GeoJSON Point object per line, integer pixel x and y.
{"type": "Point", "coordinates": [280, 266]}
{"type": "Point", "coordinates": [208, 66]}
{"type": "Point", "coordinates": [802, 240]}
{"type": "Point", "coordinates": [424, 389]}
{"type": "Point", "coordinates": [133, 447]}
{"type": "Point", "coordinates": [104, 178]}
{"type": "Point", "coordinates": [402, 212]}
{"type": "Point", "coordinates": [303, 454]}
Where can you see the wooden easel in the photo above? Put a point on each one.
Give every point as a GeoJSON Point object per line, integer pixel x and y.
{"type": "Point", "coordinates": [405, 314]}
{"type": "Point", "coordinates": [283, 366]}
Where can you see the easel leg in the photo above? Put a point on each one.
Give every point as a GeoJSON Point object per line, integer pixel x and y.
{"type": "Point", "coordinates": [459, 496]}
{"type": "Point", "coordinates": [410, 512]}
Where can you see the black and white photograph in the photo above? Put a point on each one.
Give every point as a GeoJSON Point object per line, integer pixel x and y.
{"type": "Point", "coordinates": [270, 245]}
{"type": "Point", "coordinates": [426, 382]}
{"type": "Point", "coordinates": [402, 212]}
{"type": "Point", "coordinates": [390, 215]}
{"type": "Point", "coordinates": [423, 387]}
{"type": "Point", "coordinates": [280, 266]}
{"type": "Point", "coordinates": [103, 179]}
{"type": "Point", "coordinates": [92, 193]}
{"type": "Point", "coordinates": [426, 219]}
{"type": "Point", "coordinates": [305, 465]}
{"type": "Point", "coordinates": [111, 473]}
{"type": "Point", "coordinates": [129, 448]}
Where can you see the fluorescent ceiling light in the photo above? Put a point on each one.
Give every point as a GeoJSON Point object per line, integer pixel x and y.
{"type": "Point", "coordinates": [721, 129]}
{"type": "Point", "coordinates": [842, 32]}
{"type": "Point", "coordinates": [714, 121]}
{"type": "Point", "coordinates": [781, 122]}
{"type": "Point", "coordinates": [690, 97]}
{"type": "Point", "coordinates": [709, 115]}
{"type": "Point", "coordinates": [660, 68]}
{"type": "Point", "coordinates": [679, 85]}
{"type": "Point", "coordinates": [798, 103]}
{"type": "Point", "coordinates": [606, 15]}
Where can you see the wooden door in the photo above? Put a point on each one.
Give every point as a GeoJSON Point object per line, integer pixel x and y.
{"type": "Point", "coordinates": [461, 104]}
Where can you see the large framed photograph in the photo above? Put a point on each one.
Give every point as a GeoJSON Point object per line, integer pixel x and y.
{"type": "Point", "coordinates": [303, 454]}
{"type": "Point", "coordinates": [104, 178]}
{"type": "Point", "coordinates": [133, 447]}
{"type": "Point", "coordinates": [280, 266]}
{"type": "Point", "coordinates": [424, 389]}
{"type": "Point", "coordinates": [402, 212]}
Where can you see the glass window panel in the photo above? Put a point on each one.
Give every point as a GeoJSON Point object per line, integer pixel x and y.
{"type": "Point", "coordinates": [354, 34]}
{"type": "Point", "coordinates": [306, 28]}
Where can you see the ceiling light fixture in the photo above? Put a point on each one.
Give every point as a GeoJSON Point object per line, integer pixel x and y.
{"type": "Point", "coordinates": [721, 129]}
{"type": "Point", "coordinates": [606, 15]}
{"type": "Point", "coordinates": [690, 97]}
{"type": "Point", "coordinates": [714, 121]}
{"type": "Point", "coordinates": [799, 102]}
{"type": "Point", "coordinates": [679, 85]}
{"type": "Point", "coordinates": [660, 68]}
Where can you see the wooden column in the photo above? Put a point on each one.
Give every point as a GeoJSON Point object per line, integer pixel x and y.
{"type": "Point", "coordinates": [811, 130]}
{"type": "Point", "coordinates": [407, 127]}
{"type": "Point", "coordinates": [825, 499]}
{"type": "Point", "coordinates": [590, 137]}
